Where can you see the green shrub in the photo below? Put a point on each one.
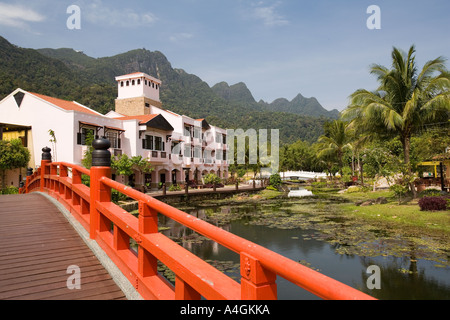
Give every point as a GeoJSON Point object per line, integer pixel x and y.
{"type": "Point", "coordinates": [353, 189]}
{"type": "Point", "coordinates": [275, 180]}
{"type": "Point", "coordinates": [211, 178]}
{"type": "Point", "coordinates": [86, 180]}
{"type": "Point", "coordinates": [271, 188]}
{"type": "Point", "coordinates": [174, 187]}
{"type": "Point", "coordinates": [430, 193]}
{"type": "Point", "coordinates": [346, 174]}
{"type": "Point", "coordinates": [399, 191]}
{"type": "Point", "coordinates": [10, 190]}
{"type": "Point", "coordinates": [320, 184]}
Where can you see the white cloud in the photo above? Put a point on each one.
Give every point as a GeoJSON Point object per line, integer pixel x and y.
{"type": "Point", "coordinates": [18, 16]}
{"type": "Point", "coordinates": [98, 13]}
{"type": "Point", "coordinates": [181, 36]}
{"type": "Point", "coordinates": [268, 14]}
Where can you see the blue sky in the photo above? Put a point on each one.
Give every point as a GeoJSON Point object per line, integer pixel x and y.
{"type": "Point", "coordinates": [279, 48]}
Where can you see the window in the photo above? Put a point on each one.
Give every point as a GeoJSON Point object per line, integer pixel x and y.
{"type": "Point", "coordinates": [132, 82]}
{"type": "Point", "coordinates": [197, 133]}
{"type": "Point", "coordinates": [153, 143]}
{"type": "Point", "coordinates": [187, 131]}
{"type": "Point", "coordinates": [219, 154]}
{"type": "Point", "coordinates": [187, 151]}
{"type": "Point", "coordinates": [224, 156]}
{"type": "Point", "coordinates": [139, 81]}
{"type": "Point", "coordinates": [176, 148]}
{"type": "Point", "coordinates": [147, 105]}
{"type": "Point", "coordinates": [83, 135]}
{"type": "Point", "coordinates": [121, 83]}
{"type": "Point", "coordinates": [145, 82]}
{"type": "Point", "coordinates": [147, 143]}
{"type": "Point", "coordinates": [224, 139]}
{"type": "Point", "coordinates": [128, 83]}
{"type": "Point", "coordinates": [218, 137]}
{"type": "Point", "coordinates": [207, 156]}
{"type": "Point", "coordinates": [113, 138]}
{"type": "Point", "coordinates": [198, 152]}
{"type": "Point", "coordinates": [159, 145]}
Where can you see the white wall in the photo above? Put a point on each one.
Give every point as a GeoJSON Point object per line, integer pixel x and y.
{"type": "Point", "coordinates": [41, 117]}
{"type": "Point", "coordinates": [150, 90]}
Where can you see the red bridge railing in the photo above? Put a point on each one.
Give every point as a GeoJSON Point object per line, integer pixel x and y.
{"type": "Point", "coordinates": [112, 228]}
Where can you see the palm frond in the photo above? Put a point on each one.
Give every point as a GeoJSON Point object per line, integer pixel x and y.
{"type": "Point", "coordinates": [432, 66]}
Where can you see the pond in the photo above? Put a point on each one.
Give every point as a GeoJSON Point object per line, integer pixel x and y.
{"type": "Point", "coordinates": [308, 230]}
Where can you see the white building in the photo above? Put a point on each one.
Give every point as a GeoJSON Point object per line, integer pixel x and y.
{"type": "Point", "coordinates": [178, 147]}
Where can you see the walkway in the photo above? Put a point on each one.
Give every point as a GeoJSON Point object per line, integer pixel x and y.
{"type": "Point", "coordinates": [37, 245]}
{"type": "Point", "coordinates": [224, 190]}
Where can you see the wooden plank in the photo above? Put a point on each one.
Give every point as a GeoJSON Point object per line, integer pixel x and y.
{"type": "Point", "coordinates": [37, 245]}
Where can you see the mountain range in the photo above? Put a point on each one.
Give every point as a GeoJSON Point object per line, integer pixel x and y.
{"type": "Point", "coordinates": [72, 75]}
{"type": "Point", "coordinates": [239, 93]}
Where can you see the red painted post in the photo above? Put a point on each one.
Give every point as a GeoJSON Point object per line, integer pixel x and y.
{"type": "Point", "coordinates": [184, 291]}
{"type": "Point", "coordinates": [76, 180]}
{"type": "Point", "coordinates": [148, 223]}
{"type": "Point", "coordinates": [76, 176]}
{"type": "Point", "coordinates": [121, 239]}
{"type": "Point", "coordinates": [53, 184]}
{"type": "Point", "coordinates": [45, 169]}
{"type": "Point", "coordinates": [63, 172]}
{"type": "Point", "coordinates": [29, 177]}
{"type": "Point", "coordinates": [257, 283]}
{"type": "Point", "coordinates": [66, 191]}
{"type": "Point", "coordinates": [101, 167]}
{"type": "Point", "coordinates": [148, 219]}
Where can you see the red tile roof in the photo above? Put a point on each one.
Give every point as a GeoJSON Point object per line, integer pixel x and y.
{"type": "Point", "coordinates": [66, 105]}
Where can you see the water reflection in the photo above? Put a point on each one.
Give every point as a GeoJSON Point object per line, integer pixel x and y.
{"type": "Point", "coordinates": [403, 277]}
{"type": "Point", "coordinates": [298, 192]}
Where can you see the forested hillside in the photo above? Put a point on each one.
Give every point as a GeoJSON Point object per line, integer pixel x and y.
{"type": "Point", "coordinates": [72, 75]}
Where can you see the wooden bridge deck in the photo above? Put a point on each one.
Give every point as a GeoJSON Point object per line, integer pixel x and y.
{"type": "Point", "coordinates": [37, 245]}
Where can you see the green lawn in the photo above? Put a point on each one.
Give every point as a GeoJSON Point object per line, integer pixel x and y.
{"type": "Point", "coordinates": [407, 214]}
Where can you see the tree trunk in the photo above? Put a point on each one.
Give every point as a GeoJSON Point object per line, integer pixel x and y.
{"type": "Point", "coordinates": [361, 173]}
{"type": "Point", "coordinates": [358, 172]}
{"type": "Point", "coordinates": [340, 155]}
{"type": "Point", "coordinates": [406, 151]}
{"type": "Point", "coordinates": [353, 163]}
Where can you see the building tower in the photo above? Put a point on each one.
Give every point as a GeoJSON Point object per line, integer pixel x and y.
{"type": "Point", "coordinates": [137, 92]}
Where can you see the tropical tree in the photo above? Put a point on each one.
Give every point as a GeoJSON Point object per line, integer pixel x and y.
{"type": "Point", "coordinates": [13, 155]}
{"type": "Point", "coordinates": [335, 142]}
{"type": "Point", "coordinates": [404, 101]}
{"type": "Point", "coordinates": [53, 141]}
{"type": "Point", "coordinates": [298, 156]}
{"type": "Point", "coordinates": [87, 157]}
{"type": "Point", "coordinates": [124, 165]}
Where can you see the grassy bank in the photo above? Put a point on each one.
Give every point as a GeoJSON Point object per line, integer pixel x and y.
{"type": "Point", "coordinates": [407, 214]}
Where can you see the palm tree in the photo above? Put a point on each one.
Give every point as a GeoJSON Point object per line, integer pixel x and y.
{"type": "Point", "coordinates": [404, 101]}
{"type": "Point", "coordinates": [335, 141]}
